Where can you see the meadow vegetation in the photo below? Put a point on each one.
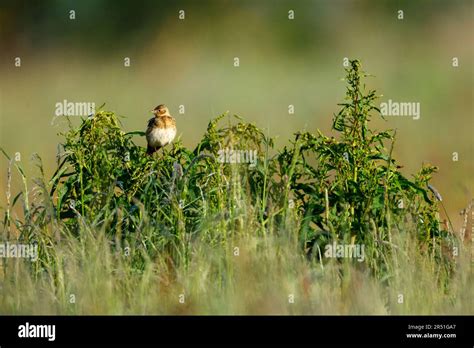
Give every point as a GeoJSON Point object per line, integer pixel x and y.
{"type": "Point", "coordinates": [180, 232]}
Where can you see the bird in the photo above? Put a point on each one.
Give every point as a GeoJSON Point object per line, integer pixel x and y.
{"type": "Point", "coordinates": [161, 129]}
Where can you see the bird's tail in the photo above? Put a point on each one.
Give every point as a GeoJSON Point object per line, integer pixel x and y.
{"type": "Point", "coordinates": [150, 150]}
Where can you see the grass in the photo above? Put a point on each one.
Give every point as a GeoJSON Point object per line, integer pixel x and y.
{"type": "Point", "coordinates": [119, 232]}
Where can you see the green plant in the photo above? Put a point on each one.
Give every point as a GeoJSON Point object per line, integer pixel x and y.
{"type": "Point", "coordinates": [185, 211]}
{"type": "Point", "coordinates": [350, 188]}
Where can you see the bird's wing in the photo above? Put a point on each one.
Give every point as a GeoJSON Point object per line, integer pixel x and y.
{"type": "Point", "coordinates": [151, 124]}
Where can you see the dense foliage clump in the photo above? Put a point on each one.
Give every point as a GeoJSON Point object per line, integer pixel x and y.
{"type": "Point", "coordinates": [345, 188]}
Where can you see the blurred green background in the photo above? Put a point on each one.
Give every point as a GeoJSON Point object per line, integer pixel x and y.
{"type": "Point", "coordinates": [190, 62]}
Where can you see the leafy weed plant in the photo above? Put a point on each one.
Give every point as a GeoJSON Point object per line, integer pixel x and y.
{"type": "Point", "coordinates": [114, 221]}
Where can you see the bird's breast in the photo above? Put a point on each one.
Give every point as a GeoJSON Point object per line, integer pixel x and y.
{"type": "Point", "coordinates": [161, 136]}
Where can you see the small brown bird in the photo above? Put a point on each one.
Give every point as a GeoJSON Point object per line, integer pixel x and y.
{"type": "Point", "coordinates": [161, 129]}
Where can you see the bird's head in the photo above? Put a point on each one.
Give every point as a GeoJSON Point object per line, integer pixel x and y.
{"type": "Point", "coordinates": [161, 110]}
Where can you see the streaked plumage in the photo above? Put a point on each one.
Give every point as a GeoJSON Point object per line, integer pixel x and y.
{"type": "Point", "coordinates": [161, 129]}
